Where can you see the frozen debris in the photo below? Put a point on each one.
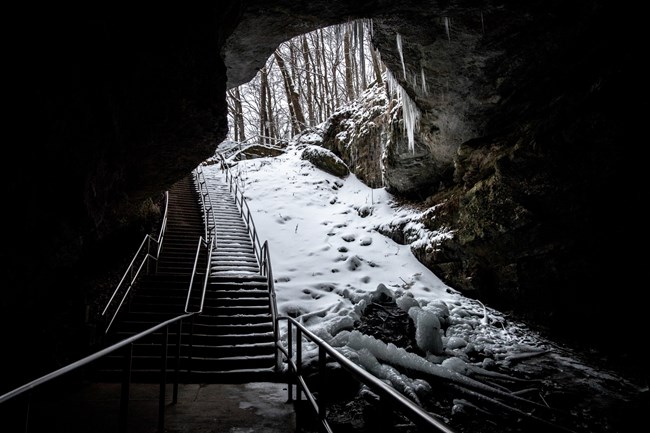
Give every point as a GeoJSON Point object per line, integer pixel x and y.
{"type": "Point", "coordinates": [382, 294]}
{"type": "Point", "coordinates": [427, 330]}
{"type": "Point", "coordinates": [407, 301]}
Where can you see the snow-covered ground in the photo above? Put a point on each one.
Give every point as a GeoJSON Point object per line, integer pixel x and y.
{"type": "Point", "coordinates": [330, 263]}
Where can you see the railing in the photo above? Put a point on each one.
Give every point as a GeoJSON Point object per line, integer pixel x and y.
{"type": "Point", "coordinates": [133, 270]}
{"type": "Point", "coordinates": [265, 269]}
{"type": "Point", "coordinates": [209, 246]}
{"type": "Point", "coordinates": [244, 210]}
{"type": "Point", "coordinates": [413, 412]}
{"type": "Point", "coordinates": [126, 376]}
{"type": "Point", "coordinates": [206, 204]}
{"type": "Point", "coordinates": [262, 252]}
{"type": "Point", "coordinates": [256, 140]}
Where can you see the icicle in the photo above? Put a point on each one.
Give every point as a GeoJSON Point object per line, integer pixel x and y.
{"type": "Point", "coordinates": [411, 116]}
{"type": "Point", "coordinates": [425, 90]}
{"type": "Point", "coordinates": [410, 112]}
{"type": "Point", "coordinates": [447, 28]}
{"type": "Point", "coordinates": [393, 85]}
{"type": "Point", "coordinates": [401, 53]}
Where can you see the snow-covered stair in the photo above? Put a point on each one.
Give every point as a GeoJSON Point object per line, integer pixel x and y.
{"type": "Point", "coordinates": [234, 254]}
{"type": "Point", "coordinates": [233, 337]}
{"type": "Point", "coordinates": [232, 340]}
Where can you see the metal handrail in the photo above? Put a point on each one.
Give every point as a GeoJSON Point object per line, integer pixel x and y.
{"type": "Point", "coordinates": [239, 145]}
{"type": "Point", "coordinates": [262, 252]}
{"type": "Point", "coordinates": [145, 260]}
{"type": "Point", "coordinates": [208, 208]}
{"type": "Point", "coordinates": [244, 209]}
{"type": "Point", "coordinates": [126, 381]}
{"type": "Point", "coordinates": [210, 247]}
{"type": "Point", "coordinates": [101, 353]}
{"type": "Point", "coordinates": [268, 271]}
{"type": "Point", "coordinates": [88, 359]}
{"type": "Point", "coordinates": [414, 412]}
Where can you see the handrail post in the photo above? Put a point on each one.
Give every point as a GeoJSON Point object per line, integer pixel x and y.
{"type": "Point", "coordinates": [322, 356]}
{"type": "Point", "coordinates": [27, 411]}
{"type": "Point", "coordinates": [290, 356]}
{"type": "Point", "coordinates": [163, 382]}
{"type": "Point", "coordinates": [191, 346]}
{"type": "Point", "coordinates": [146, 257]}
{"type": "Point", "coordinates": [298, 360]}
{"type": "Point", "coordinates": [126, 385]}
{"type": "Point", "coordinates": [177, 365]}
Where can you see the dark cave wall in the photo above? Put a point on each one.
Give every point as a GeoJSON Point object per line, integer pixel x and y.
{"type": "Point", "coordinates": [109, 106]}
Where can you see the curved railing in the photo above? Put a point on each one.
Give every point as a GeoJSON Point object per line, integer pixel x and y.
{"type": "Point", "coordinates": [412, 411]}
{"type": "Point", "coordinates": [141, 258]}
{"type": "Point", "coordinates": [256, 140]}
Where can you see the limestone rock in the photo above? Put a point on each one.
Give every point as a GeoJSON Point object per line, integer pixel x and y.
{"type": "Point", "coordinates": [325, 160]}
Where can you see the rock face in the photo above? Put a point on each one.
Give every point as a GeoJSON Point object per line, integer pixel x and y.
{"type": "Point", "coordinates": [369, 136]}
{"type": "Point", "coordinates": [526, 103]}
{"type": "Point", "coordinates": [325, 160]}
{"type": "Point", "coordinates": [358, 134]}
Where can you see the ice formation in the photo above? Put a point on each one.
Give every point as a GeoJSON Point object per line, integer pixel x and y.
{"type": "Point", "coordinates": [425, 89]}
{"type": "Point", "coordinates": [401, 53]}
{"type": "Point", "coordinates": [410, 112]}
{"type": "Point", "coordinates": [427, 330]}
{"type": "Point", "coordinates": [447, 28]}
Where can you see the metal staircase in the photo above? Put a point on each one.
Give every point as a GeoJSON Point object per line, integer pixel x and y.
{"type": "Point", "coordinates": [232, 339]}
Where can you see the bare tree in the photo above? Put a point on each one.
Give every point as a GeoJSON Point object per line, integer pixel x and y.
{"type": "Point", "coordinates": [293, 98]}
{"type": "Point", "coordinates": [234, 102]}
{"type": "Point", "coordinates": [376, 67]}
{"type": "Point", "coordinates": [307, 86]}
{"type": "Point", "coordinates": [362, 57]}
{"type": "Point", "coordinates": [349, 67]}
{"type": "Point", "coordinates": [319, 72]}
{"type": "Point", "coordinates": [264, 114]}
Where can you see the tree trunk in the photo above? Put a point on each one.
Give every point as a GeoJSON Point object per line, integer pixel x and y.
{"type": "Point", "coordinates": [293, 98]}
{"type": "Point", "coordinates": [376, 66]}
{"type": "Point", "coordinates": [349, 77]}
{"type": "Point", "coordinates": [237, 114]}
{"type": "Point", "coordinates": [264, 115]}
{"type": "Point", "coordinates": [362, 54]}
{"type": "Point", "coordinates": [271, 118]}
{"type": "Point", "coordinates": [327, 94]}
{"type": "Point", "coordinates": [307, 85]}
